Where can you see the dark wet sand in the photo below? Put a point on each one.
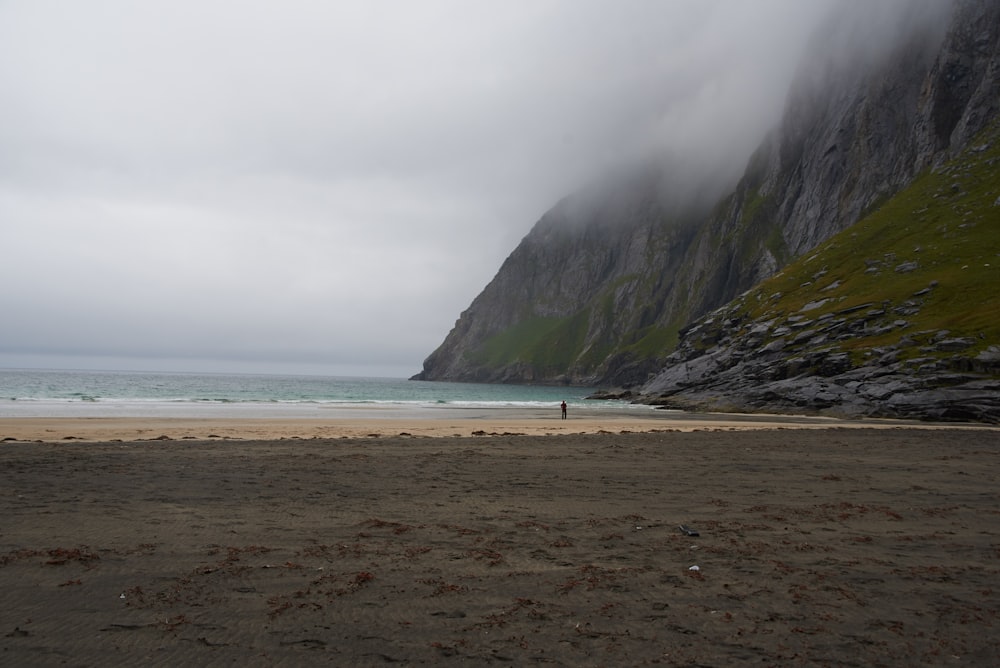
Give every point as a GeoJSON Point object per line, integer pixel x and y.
{"type": "Point", "coordinates": [816, 547]}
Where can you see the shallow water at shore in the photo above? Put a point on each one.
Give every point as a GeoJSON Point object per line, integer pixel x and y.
{"type": "Point", "coordinates": [52, 393]}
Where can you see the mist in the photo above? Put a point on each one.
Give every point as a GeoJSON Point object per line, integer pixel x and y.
{"type": "Point", "coordinates": [314, 187]}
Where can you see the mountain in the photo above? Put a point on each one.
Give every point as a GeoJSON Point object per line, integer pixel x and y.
{"type": "Point", "coordinates": [591, 292]}
{"type": "Point", "coordinates": [898, 316]}
{"type": "Point", "coordinates": [604, 286]}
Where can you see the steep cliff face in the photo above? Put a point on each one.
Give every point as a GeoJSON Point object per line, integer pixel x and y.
{"type": "Point", "coordinates": [590, 288]}
{"type": "Point", "coordinates": [597, 292]}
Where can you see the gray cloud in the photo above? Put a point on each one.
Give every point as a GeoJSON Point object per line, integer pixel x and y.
{"type": "Point", "coordinates": [323, 187]}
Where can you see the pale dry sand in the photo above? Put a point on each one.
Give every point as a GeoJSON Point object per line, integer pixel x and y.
{"type": "Point", "coordinates": [816, 547]}
{"type": "Point", "coordinates": [454, 422]}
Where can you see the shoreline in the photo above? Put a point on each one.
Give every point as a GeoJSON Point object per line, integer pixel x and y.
{"type": "Point", "coordinates": [437, 423]}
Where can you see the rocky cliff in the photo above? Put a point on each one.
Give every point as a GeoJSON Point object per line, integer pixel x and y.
{"type": "Point", "coordinates": [601, 288]}
{"type": "Point", "coordinates": [591, 292]}
{"type": "Point", "coordinates": [898, 316]}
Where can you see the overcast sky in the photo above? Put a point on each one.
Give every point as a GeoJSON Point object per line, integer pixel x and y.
{"type": "Point", "coordinates": [323, 187]}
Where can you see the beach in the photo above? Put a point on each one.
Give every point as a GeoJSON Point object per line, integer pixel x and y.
{"type": "Point", "coordinates": [256, 422]}
{"type": "Point", "coordinates": [519, 540]}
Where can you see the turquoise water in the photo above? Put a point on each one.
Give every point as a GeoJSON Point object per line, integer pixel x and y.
{"type": "Point", "coordinates": [113, 393]}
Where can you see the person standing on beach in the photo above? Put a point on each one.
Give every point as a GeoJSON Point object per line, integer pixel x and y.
{"type": "Point", "coordinates": [563, 406]}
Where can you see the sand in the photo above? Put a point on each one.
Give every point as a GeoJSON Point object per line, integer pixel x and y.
{"type": "Point", "coordinates": [830, 546]}
{"type": "Point", "coordinates": [386, 422]}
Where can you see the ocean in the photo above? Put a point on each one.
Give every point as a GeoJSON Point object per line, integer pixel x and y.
{"type": "Point", "coordinates": [60, 393]}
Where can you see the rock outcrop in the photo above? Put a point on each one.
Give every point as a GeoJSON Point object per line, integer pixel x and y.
{"type": "Point", "coordinates": [790, 375]}
{"type": "Point", "coordinates": [599, 292]}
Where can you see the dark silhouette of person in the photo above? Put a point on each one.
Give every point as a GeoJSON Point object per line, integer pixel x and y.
{"type": "Point", "coordinates": [563, 406]}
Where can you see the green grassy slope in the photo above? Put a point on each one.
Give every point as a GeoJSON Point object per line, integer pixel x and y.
{"type": "Point", "coordinates": [546, 344]}
{"type": "Point", "coordinates": [929, 257]}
